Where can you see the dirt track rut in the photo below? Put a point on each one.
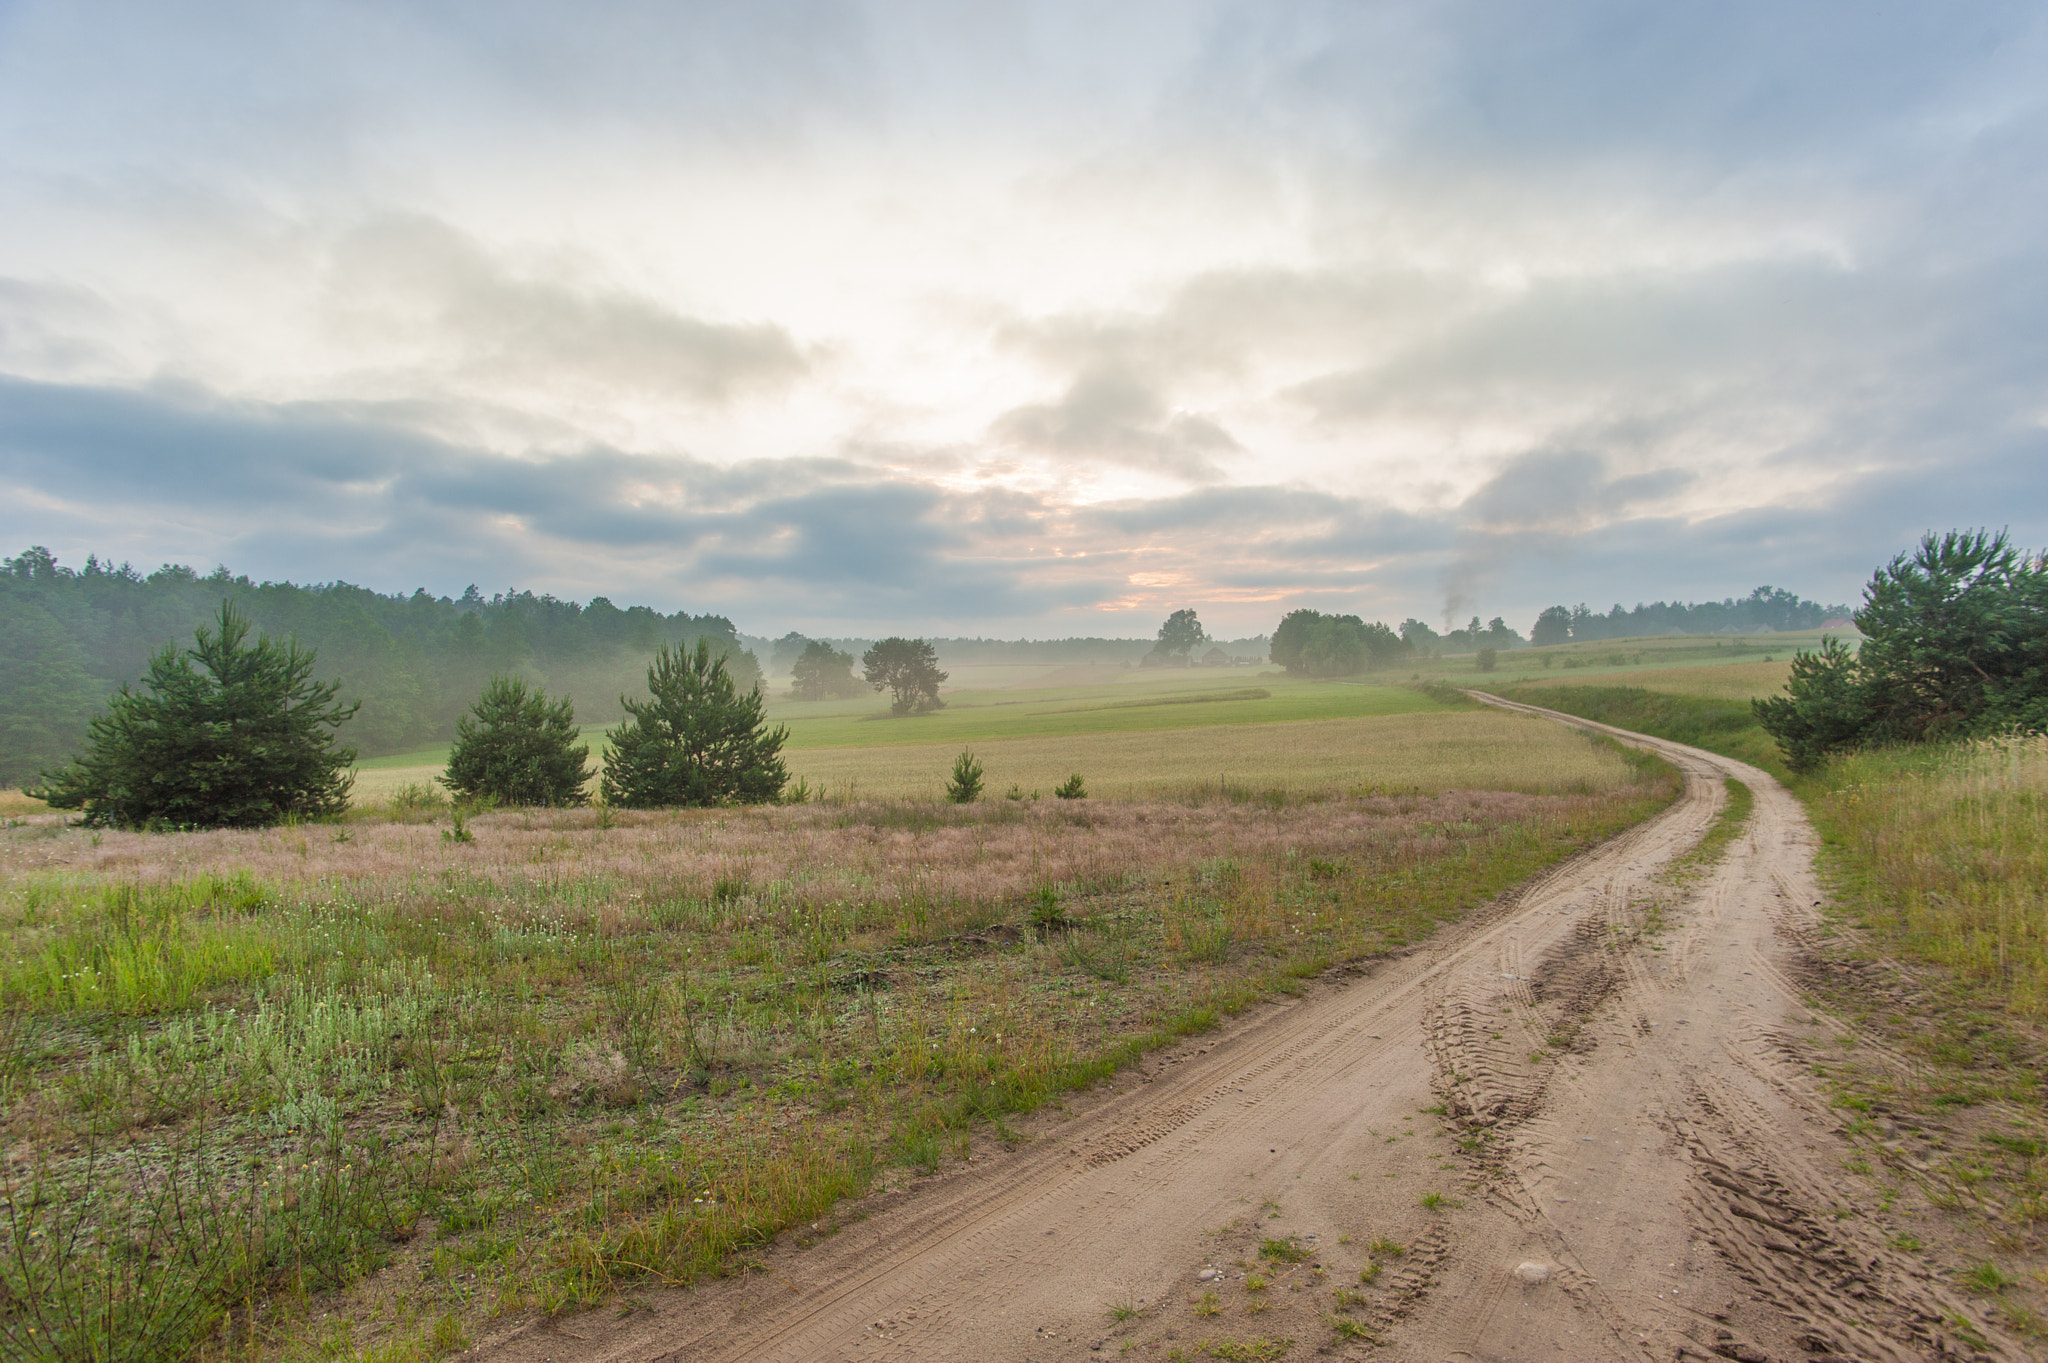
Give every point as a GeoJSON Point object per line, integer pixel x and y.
{"type": "Point", "coordinates": [1632, 1163]}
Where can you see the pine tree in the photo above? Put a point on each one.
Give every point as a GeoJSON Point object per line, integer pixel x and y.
{"type": "Point", "coordinates": [224, 734]}
{"type": "Point", "coordinates": [697, 740]}
{"type": "Point", "coordinates": [517, 747]}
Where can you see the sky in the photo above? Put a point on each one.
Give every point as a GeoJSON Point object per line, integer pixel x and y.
{"type": "Point", "coordinates": [1025, 319]}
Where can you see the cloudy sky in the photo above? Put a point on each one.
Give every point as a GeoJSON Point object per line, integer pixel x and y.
{"type": "Point", "coordinates": [1025, 318]}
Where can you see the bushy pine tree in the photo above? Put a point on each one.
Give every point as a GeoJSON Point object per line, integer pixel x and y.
{"type": "Point", "coordinates": [697, 740]}
{"type": "Point", "coordinates": [1955, 644]}
{"type": "Point", "coordinates": [517, 747]}
{"type": "Point", "coordinates": [224, 734]}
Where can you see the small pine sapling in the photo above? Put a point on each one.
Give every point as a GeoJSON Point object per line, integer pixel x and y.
{"type": "Point", "coordinates": [964, 788]}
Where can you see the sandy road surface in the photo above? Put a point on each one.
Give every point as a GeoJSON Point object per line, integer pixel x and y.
{"type": "Point", "coordinates": [1632, 1164]}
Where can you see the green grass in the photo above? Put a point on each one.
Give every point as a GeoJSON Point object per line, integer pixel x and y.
{"type": "Point", "coordinates": [1172, 701]}
{"type": "Point", "coordinates": [1176, 702]}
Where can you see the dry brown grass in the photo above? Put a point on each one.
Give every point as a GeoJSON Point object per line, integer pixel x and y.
{"type": "Point", "coordinates": [1459, 749]}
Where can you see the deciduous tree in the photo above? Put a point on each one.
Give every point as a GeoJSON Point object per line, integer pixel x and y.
{"type": "Point", "coordinates": [822, 672]}
{"type": "Point", "coordinates": [1180, 636]}
{"type": "Point", "coordinates": [909, 669]}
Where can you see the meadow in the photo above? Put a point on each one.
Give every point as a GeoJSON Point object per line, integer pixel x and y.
{"type": "Point", "coordinates": [357, 1088]}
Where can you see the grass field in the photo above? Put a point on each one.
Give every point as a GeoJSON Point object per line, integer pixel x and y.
{"type": "Point", "coordinates": [397, 1083]}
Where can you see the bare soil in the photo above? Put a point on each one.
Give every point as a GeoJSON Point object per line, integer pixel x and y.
{"type": "Point", "coordinates": [1604, 1080]}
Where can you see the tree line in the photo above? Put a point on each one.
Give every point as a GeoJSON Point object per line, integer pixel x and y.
{"type": "Point", "coordinates": [70, 637]}
{"type": "Point", "coordinates": [1311, 643]}
{"type": "Point", "coordinates": [1765, 610]}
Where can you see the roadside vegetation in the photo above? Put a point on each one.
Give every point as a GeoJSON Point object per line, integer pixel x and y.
{"type": "Point", "coordinates": [1919, 759]}
{"type": "Point", "coordinates": [352, 1084]}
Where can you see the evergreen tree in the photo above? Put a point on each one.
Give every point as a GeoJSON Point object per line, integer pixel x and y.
{"type": "Point", "coordinates": [1955, 644]}
{"type": "Point", "coordinates": [698, 739]}
{"type": "Point", "coordinates": [224, 734]}
{"type": "Point", "coordinates": [517, 747]}
{"type": "Point", "coordinates": [910, 669]}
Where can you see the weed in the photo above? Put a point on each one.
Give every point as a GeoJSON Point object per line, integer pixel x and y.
{"type": "Point", "coordinates": [1263, 1350]}
{"type": "Point", "coordinates": [1048, 910]}
{"type": "Point", "coordinates": [1988, 1277]}
{"type": "Point", "coordinates": [1208, 1305]}
{"type": "Point", "coordinates": [1383, 1248]}
{"type": "Point", "coordinates": [1282, 1251]}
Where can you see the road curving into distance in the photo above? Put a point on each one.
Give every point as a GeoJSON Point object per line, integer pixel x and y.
{"type": "Point", "coordinates": [1579, 1113]}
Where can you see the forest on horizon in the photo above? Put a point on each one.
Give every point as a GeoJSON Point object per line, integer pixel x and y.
{"type": "Point", "coordinates": [70, 637]}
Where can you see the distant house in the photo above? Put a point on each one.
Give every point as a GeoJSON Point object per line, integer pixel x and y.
{"type": "Point", "coordinates": [1839, 622]}
{"type": "Point", "coordinates": [1216, 657]}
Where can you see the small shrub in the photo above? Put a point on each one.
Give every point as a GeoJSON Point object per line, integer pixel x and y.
{"type": "Point", "coordinates": [964, 786]}
{"type": "Point", "coordinates": [1487, 659]}
{"type": "Point", "coordinates": [1047, 911]}
{"type": "Point", "coordinates": [1071, 788]}
{"type": "Point", "coordinates": [413, 797]}
{"type": "Point", "coordinates": [458, 829]}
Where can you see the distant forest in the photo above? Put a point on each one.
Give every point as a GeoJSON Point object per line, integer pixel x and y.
{"type": "Point", "coordinates": [1767, 610]}
{"type": "Point", "coordinates": [69, 637]}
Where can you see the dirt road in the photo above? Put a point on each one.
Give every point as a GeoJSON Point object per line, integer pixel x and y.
{"type": "Point", "coordinates": [1573, 1126]}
